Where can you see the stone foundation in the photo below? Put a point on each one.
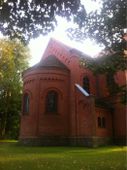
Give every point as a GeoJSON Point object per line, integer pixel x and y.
{"type": "Point", "coordinates": [120, 141]}
{"type": "Point", "coordinates": [66, 141]}
{"type": "Point", "coordinates": [45, 141]}
{"type": "Point", "coordinates": [90, 141]}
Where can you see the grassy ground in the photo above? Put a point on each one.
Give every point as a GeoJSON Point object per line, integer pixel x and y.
{"type": "Point", "coordinates": [14, 157]}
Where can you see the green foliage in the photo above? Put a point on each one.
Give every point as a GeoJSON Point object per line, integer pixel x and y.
{"type": "Point", "coordinates": [13, 157]}
{"type": "Point", "coordinates": [105, 64]}
{"type": "Point", "coordinates": [26, 19]}
{"type": "Point", "coordinates": [13, 60]}
{"type": "Point", "coordinates": [105, 26]}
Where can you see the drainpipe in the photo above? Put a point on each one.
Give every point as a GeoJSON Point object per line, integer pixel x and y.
{"type": "Point", "coordinates": [76, 115]}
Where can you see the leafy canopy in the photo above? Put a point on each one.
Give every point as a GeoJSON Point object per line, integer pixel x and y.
{"type": "Point", "coordinates": [26, 19]}
{"type": "Point", "coordinates": [106, 25]}
{"type": "Point", "coordinates": [13, 60]}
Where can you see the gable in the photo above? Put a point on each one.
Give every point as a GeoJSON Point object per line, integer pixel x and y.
{"type": "Point", "coordinates": [63, 52]}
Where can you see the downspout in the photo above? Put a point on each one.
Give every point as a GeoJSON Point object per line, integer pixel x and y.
{"type": "Point", "coordinates": [76, 116]}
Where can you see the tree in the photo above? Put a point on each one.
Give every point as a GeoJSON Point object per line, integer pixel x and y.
{"type": "Point", "coordinates": [13, 60]}
{"type": "Point", "coordinates": [106, 26]}
{"type": "Point", "coordinates": [26, 19]}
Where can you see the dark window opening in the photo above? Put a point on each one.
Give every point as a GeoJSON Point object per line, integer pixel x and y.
{"type": "Point", "coordinates": [111, 84]}
{"type": "Point", "coordinates": [26, 102]}
{"type": "Point", "coordinates": [86, 84]}
{"type": "Point", "coordinates": [101, 122]}
{"type": "Point", "coordinates": [51, 102]}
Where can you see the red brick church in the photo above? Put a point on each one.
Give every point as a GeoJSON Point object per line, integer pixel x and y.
{"type": "Point", "coordinates": [59, 102]}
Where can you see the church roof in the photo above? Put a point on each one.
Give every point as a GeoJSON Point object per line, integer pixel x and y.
{"type": "Point", "coordinates": [52, 61]}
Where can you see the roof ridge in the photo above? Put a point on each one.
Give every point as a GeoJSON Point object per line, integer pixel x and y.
{"type": "Point", "coordinates": [71, 49]}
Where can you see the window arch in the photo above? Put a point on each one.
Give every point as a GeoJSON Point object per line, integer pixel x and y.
{"type": "Point", "coordinates": [26, 103]}
{"type": "Point", "coordinates": [52, 102]}
{"type": "Point", "coordinates": [86, 84]}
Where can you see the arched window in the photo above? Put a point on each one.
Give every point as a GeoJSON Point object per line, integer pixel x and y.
{"type": "Point", "coordinates": [86, 84]}
{"type": "Point", "coordinates": [51, 102]}
{"type": "Point", "coordinates": [26, 103]}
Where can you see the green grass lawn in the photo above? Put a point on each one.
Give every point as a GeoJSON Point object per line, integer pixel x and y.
{"type": "Point", "coordinates": [14, 157]}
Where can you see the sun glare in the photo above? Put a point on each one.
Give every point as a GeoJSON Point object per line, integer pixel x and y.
{"type": "Point", "coordinates": [37, 46]}
{"type": "Point", "coordinates": [91, 5]}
